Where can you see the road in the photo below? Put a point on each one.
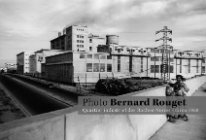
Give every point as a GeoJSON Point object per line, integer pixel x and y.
{"type": "Point", "coordinates": [34, 97]}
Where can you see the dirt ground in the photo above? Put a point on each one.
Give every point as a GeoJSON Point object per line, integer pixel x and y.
{"type": "Point", "coordinates": [8, 110]}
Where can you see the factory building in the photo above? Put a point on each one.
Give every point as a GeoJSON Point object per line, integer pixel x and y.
{"type": "Point", "coordinates": [32, 64]}
{"type": "Point", "coordinates": [88, 58]}
{"type": "Point", "coordinates": [155, 63]}
{"type": "Point", "coordinates": [23, 65]}
{"type": "Point", "coordinates": [74, 38]}
{"type": "Point", "coordinates": [59, 43]}
{"type": "Point", "coordinates": [78, 67]}
{"type": "Point", "coordinates": [81, 62]}
{"type": "Point", "coordinates": [38, 58]}
{"type": "Point", "coordinates": [189, 63]}
{"type": "Point", "coordinates": [129, 61]}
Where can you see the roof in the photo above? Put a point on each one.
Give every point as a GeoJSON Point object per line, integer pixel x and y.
{"type": "Point", "coordinates": [58, 37]}
{"type": "Point", "coordinates": [41, 50]}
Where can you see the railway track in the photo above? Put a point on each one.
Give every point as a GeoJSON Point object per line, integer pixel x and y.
{"type": "Point", "coordinates": [35, 97]}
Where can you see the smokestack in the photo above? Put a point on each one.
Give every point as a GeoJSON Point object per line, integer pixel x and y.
{"type": "Point", "coordinates": [59, 34]}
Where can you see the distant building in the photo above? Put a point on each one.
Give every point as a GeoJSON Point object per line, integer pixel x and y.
{"type": "Point", "coordinates": [38, 58]}
{"type": "Point", "coordinates": [23, 65]}
{"type": "Point", "coordinates": [10, 68]}
{"type": "Point", "coordinates": [10, 65]}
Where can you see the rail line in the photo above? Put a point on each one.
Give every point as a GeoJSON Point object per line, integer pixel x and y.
{"type": "Point", "coordinates": [36, 98]}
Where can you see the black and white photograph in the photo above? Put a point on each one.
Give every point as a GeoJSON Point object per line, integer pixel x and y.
{"type": "Point", "coordinates": [102, 69]}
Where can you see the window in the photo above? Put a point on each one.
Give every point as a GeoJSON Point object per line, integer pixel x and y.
{"type": "Point", "coordinates": [90, 40]}
{"type": "Point", "coordinates": [154, 68]}
{"type": "Point", "coordinates": [109, 56]}
{"type": "Point", "coordinates": [171, 59]}
{"type": "Point", "coordinates": [141, 64]}
{"type": "Point", "coordinates": [102, 67]}
{"type": "Point", "coordinates": [80, 29]}
{"type": "Point", "coordinates": [80, 41]}
{"type": "Point", "coordinates": [189, 65]}
{"type": "Point", "coordinates": [171, 69]}
{"type": "Point", "coordinates": [102, 56]}
{"type": "Point", "coordinates": [109, 67]}
{"type": "Point", "coordinates": [203, 69]}
{"type": "Point", "coordinates": [82, 56]}
{"type": "Point", "coordinates": [118, 63]}
{"type": "Point", "coordinates": [80, 36]}
{"type": "Point", "coordinates": [90, 48]}
{"type": "Point", "coordinates": [130, 63]}
{"type": "Point", "coordinates": [180, 65]}
{"type": "Point", "coordinates": [96, 67]}
{"type": "Point", "coordinates": [155, 58]}
{"type": "Point", "coordinates": [89, 56]}
{"type": "Point", "coordinates": [197, 68]}
{"type": "Point", "coordinates": [80, 46]}
{"type": "Point", "coordinates": [89, 67]}
{"type": "Point", "coordinates": [96, 56]}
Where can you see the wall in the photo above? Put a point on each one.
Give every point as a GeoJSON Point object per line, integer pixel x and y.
{"type": "Point", "coordinates": [67, 124]}
{"type": "Point", "coordinates": [42, 127]}
{"type": "Point", "coordinates": [82, 75]}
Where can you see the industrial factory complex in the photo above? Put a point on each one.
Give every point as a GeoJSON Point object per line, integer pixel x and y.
{"type": "Point", "coordinates": [78, 56]}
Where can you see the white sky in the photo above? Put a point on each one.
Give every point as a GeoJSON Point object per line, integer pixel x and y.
{"type": "Point", "coordinates": [29, 25]}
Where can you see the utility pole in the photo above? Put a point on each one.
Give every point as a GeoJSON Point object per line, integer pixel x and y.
{"type": "Point", "coordinates": [165, 52]}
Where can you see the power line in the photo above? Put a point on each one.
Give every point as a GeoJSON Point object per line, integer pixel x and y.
{"type": "Point", "coordinates": [165, 68]}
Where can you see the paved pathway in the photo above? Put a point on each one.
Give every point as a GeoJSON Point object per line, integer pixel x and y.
{"type": "Point", "coordinates": [194, 129]}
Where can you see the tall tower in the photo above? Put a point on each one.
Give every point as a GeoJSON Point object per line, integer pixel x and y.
{"type": "Point", "coordinates": [165, 66]}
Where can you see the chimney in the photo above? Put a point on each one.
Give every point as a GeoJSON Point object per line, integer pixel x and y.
{"type": "Point", "coordinates": [59, 34]}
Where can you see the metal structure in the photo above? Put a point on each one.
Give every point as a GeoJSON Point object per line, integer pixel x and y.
{"type": "Point", "coordinates": [165, 66]}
